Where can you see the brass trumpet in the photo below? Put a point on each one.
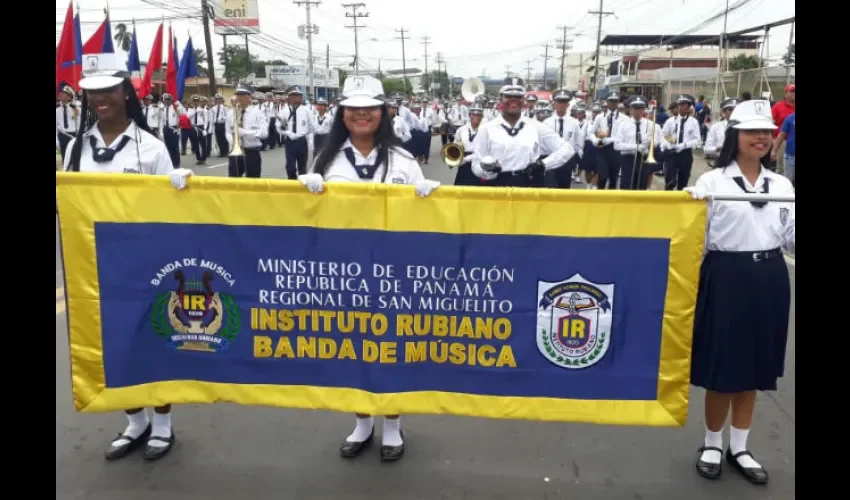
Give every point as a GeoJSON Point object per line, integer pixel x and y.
{"type": "Point", "coordinates": [452, 154]}
{"type": "Point", "coordinates": [236, 149]}
{"type": "Point", "coordinates": [650, 158]}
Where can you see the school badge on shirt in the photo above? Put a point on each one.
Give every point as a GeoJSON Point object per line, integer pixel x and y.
{"type": "Point", "coordinates": [574, 320]}
{"type": "Point", "coordinates": [193, 315]}
{"type": "Point", "coordinates": [783, 215]}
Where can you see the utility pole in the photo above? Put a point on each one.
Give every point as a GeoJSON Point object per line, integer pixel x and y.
{"type": "Point", "coordinates": [309, 29]}
{"type": "Point", "coordinates": [327, 55]}
{"type": "Point", "coordinates": [563, 41]}
{"type": "Point", "coordinates": [426, 40]}
{"type": "Point", "coordinates": [717, 99]}
{"type": "Point", "coordinates": [545, 63]}
{"type": "Point", "coordinates": [507, 71]}
{"type": "Point", "coordinates": [207, 13]}
{"type": "Point", "coordinates": [440, 61]}
{"type": "Point", "coordinates": [787, 62]}
{"type": "Point", "coordinates": [600, 13]}
{"type": "Point", "coordinates": [527, 71]}
{"type": "Point", "coordinates": [355, 16]}
{"type": "Point", "coordinates": [403, 58]}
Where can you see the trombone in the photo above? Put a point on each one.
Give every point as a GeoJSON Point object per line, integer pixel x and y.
{"type": "Point", "coordinates": [236, 149]}
{"type": "Point", "coordinates": [650, 157]}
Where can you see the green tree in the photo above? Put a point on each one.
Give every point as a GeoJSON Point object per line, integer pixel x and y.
{"type": "Point", "coordinates": [343, 74]}
{"type": "Point", "coordinates": [201, 62]}
{"type": "Point", "coordinates": [236, 63]}
{"type": "Point", "coordinates": [260, 66]}
{"type": "Point", "coordinates": [122, 37]}
{"type": "Point", "coordinates": [742, 62]}
{"type": "Point", "coordinates": [393, 85]}
{"type": "Point", "coordinates": [438, 77]}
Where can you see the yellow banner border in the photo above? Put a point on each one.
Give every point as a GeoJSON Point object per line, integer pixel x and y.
{"type": "Point", "coordinates": [348, 209]}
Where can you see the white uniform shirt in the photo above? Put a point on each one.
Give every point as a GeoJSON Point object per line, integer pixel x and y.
{"type": "Point", "coordinates": [254, 128]}
{"type": "Point", "coordinates": [153, 114]}
{"type": "Point", "coordinates": [143, 153]}
{"type": "Point", "coordinates": [198, 118]}
{"type": "Point", "coordinates": [714, 138]}
{"type": "Point", "coordinates": [737, 226]}
{"type": "Point", "coordinates": [404, 169]}
{"type": "Point", "coordinates": [322, 124]}
{"type": "Point", "coordinates": [171, 116]}
{"type": "Point", "coordinates": [459, 115]}
{"type": "Point", "coordinates": [515, 153]}
{"type": "Point", "coordinates": [401, 129]}
{"type": "Point", "coordinates": [73, 123]}
{"type": "Point", "coordinates": [691, 136]}
{"type": "Point", "coordinates": [465, 136]}
{"type": "Point", "coordinates": [408, 116]}
{"type": "Point", "coordinates": [626, 139]}
{"type": "Point", "coordinates": [572, 132]}
{"type": "Point", "coordinates": [601, 123]}
{"type": "Point", "coordinates": [299, 121]}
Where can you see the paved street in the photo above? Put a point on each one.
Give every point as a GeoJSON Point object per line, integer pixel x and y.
{"type": "Point", "coordinates": [250, 453]}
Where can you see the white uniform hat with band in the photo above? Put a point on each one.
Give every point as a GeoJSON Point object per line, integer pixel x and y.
{"type": "Point", "coordinates": [752, 115]}
{"type": "Point", "coordinates": [362, 92]}
{"type": "Point", "coordinates": [103, 71]}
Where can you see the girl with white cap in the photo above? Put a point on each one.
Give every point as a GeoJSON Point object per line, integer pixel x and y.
{"type": "Point", "coordinates": [119, 141]}
{"type": "Point", "coordinates": [362, 147]}
{"type": "Point", "coordinates": [740, 332]}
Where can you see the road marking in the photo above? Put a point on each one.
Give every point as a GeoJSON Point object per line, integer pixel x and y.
{"type": "Point", "coordinates": [216, 165]}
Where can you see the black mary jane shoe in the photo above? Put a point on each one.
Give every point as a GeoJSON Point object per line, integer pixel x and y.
{"type": "Point", "coordinates": [755, 475]}
{"type": "Point", "coordinates": [705, 469]}
{"type": "Point", "coordinates": [117, 452]}
{"type": "Point", "coordinates": [392, 453]}
{"type": "Point", "coordinates": [350, 449]}
{"type": "Point", "coordinates": [156, 452]}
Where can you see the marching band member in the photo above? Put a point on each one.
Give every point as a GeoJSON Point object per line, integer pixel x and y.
{"type": "Point", "coordinates": [171, 127]}
{"type": "Point", "coordinates": [252, 130]}
{"type": "Point", "coordinates": [508, 149]}
{"type": "Point", "coordinates": [465, 136]}
{"type": "Point", "coordinates": [400, 127]}
{"type": "Point", "coordinates": [421, 133]}
{"type": "Point", "coordinates": [296, 123]}
{"type": "Point", "coordinates": [218, 118]}
{"type": "Point", "coordinates": [197, 134]}
{"type": "Point", "coordinates": [121, 142]}
{"type": "Point", "coordinates": [322, 125]}
{"type": "Point", "coordinates": [208, 126]}
{"type": "Point", "coordinates": [604, 128]}
{"type": "Point", "coordinates": [567, 129]}
{"type": "Point", "coordinates": [632, 141]}
{"type": "Point", "coordinates": [682, 135]}
{"type": "Point", "coordinates": [530, 105]}
{"type": "Point", "coordinates": [427, 119]}
{"type": "Point", "coordinates": [441, 122]}
{"type": "Point", "coordinates": [587, 163]}
{"type": "Point", "coordinates": [269, 108]}
{"type": "Point", "coordinates": [153, 113]}
{"type": "Point", "coordinates": [363, 148]}
{"type": "Point", "coordinates": [714, 138]}
{"type": "Point", "coordinates": [741, 332]}
{"type": "Point", "coordinates": [458, 116]}
{"type": "Point", "coordinates": [67, 118]}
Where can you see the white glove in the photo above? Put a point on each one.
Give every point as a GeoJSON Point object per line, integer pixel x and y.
{"type": "Point", "coordinates": [696, 193]}
{"type": "Point", "coordinates": [680, 147]}
{"type": "Point", "coordinates": [289, 135]}
{"type": "Point", "coordinates": [314, 182]}
{"type": "Point", "coordinates": [179, 177]}
{"type": "Point", "coordinates": [642, 148]}
{"type": "Point", "coordinates": [424, 187]}
{"type": "Point", "coordinates": [482, 174]}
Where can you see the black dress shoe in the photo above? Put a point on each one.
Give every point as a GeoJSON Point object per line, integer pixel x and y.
{"type": "Point", "coordinates": [350, 449]}
{"type": "Point", "coordinates": [116, 452]}
{"type": "Point", "coordinates": [755, 475]}
{"type": "Point", "coordinates": [705, 469]}
{"type": "Point", "coordinates": [157, 452]}
{"type": "Point", "coordinates": [392, 453]}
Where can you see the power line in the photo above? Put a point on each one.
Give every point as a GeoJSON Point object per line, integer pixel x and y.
{"type": "Point", "coordinates": [403, 57]}
{"type": "Point", "coordinates": [354, 15]}
{"type": "Point", "coordinates": [545, 63]}
{"type": "Point", "coordinates": [563, 42]}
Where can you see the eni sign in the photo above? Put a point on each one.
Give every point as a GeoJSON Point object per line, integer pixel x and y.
{"type": "Point", "coordinates": [235, 17]}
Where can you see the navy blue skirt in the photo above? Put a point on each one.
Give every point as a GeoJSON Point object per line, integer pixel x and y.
{"type": "Point", "coordinates": [741, 323]}
{"type": "Point", "coordinates": [588, 160]}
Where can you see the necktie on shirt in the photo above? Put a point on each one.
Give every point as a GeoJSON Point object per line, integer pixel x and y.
{"type": "Point", "coordinates": [217, 112]}
{"type": "Point", "coordinates": [610, 122]}
{"type": "Point", "coordinates": [101, 155]}
{"type": "Point", "coordinates": [294, 117]}
{"type": "Point", "coordinates": [363, 171]}
{"type": "Point", "coordinates": [513, 131]}
{"type": "Point", "coordinates": [637, 133]}
{"type": "Point", "coordinates": [561, 127]}
{"type": "Point", "coordinates": [65, 116]}
{"type": "Point", "coordinates": [682, 130]}
{"type": "Point", "coordinates": [196, 116]}
{"type": "Point", "coordinates": [757, 204]}
{"type": "Point", "coordinates": [146, 112]}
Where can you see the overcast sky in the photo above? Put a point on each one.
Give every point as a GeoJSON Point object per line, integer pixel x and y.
{"type": "Point", "coordinates": [473, 36]}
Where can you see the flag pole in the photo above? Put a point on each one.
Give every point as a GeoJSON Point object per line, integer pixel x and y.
{"type": "Point", "coordinates": [159, 86]}
{"type": "Point", "coordinates": [76, 66]}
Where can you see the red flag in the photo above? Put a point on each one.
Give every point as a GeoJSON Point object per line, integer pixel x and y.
{"type": "Point", "coordinates": [66, 55]}
{"type": "Point", "coordinates": [171, 69]}
{"type": "Point", "coordinates": [154, 63]}
{"type": "Point", "coordinates": [94, 45]}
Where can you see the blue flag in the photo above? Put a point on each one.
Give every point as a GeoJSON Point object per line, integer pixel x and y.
{"type": "Point", "coordinates": [107, 39]}
{"type": "Point", "coordinates": [133, 63]}
{"type": "Point", "coordinates": [78, 40]}
{"type": "Point", "coordinates": [188, 67]}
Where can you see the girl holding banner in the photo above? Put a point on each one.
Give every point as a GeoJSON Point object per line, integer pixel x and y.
{"type": "Point", "coordinates": [120, 141]}
{"type": "Point", "coordinates": [362, 147]}
{"type": "Point", "coordinates": [740, 332]}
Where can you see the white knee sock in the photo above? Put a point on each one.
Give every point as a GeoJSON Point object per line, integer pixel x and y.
{"type": "Point", "coordinates": [738, 443]}
{"type": "Point", "coordinates": [391, 435]}
{"type": "Point", "coordinates": [136, 425]}
{"type": "Point", "coordinates": [714, 439]}
{"type": "Point", "coordinates": [161, 428]}
{"type": "Point", "coordinates": [362, 430]}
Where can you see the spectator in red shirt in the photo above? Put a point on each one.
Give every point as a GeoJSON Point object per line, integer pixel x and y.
{"type": "Point", "coordinates": [782, 109]}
